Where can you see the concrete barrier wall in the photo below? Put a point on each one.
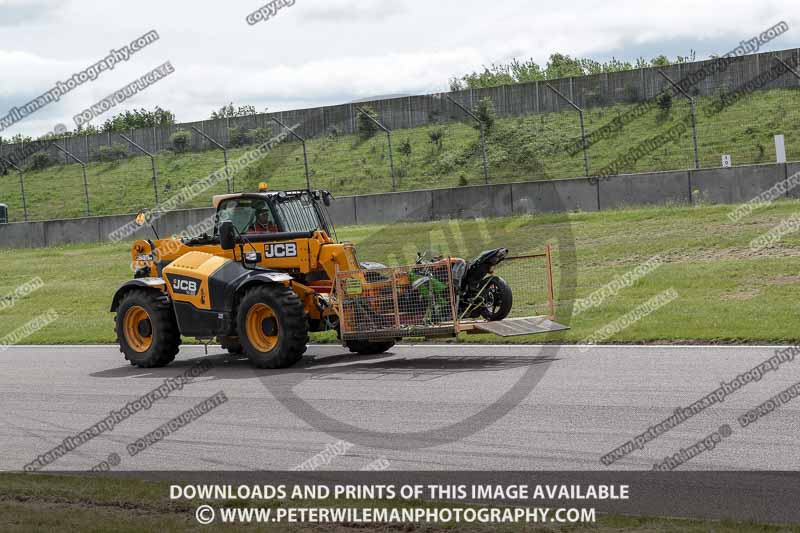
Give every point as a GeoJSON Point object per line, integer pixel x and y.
{"type": "Point", "coordinates": [734, 185]}
{"type": "Point", "coordinates": [553, 196]}
{"type": "Point", "coordinates": [382, 208]}
{"type": "Point", "coordinates": [658, 188]}
{"type": "Point", "coordinates": [483, 201]}
{"type": "Point", "coordinates": [343, 211]}
{"type": "Point", "coordinates": [22, 235]}
{"type": "Point", "coordinates": [720, 185]}
{"type": "Point", "coordinates": [792, 169]}
{"type": "Point", "coordinates": [174, 222]}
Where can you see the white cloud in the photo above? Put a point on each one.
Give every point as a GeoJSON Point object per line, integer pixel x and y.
{"type": "Point", "coordinates": [15, 12]}
{"type": "Point", "coordinates": [333, 51]}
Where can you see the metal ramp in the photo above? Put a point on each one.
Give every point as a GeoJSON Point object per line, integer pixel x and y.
{"type": "Point", "coordinates": [513, 327]}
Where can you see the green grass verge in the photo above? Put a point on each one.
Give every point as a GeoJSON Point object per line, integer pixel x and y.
{"type": "Point", "coordinates": [33, 503]}
{"type": "Point", "coordinates": [529, 147]}
{"type": "Point", "coordinates": [727, 293]}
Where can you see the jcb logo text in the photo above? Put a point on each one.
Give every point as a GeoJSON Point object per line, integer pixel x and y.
{"type": "Point", "coordinates": [280, 250]}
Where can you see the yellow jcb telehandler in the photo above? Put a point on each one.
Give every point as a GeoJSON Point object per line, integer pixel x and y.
{"type": "Point", "coordinates": [273, 271]}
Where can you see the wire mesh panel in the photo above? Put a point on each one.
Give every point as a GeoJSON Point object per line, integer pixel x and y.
{"type": "Point", "coordinates": [641, 136]}
{"type": "Point", "coordinates": [745, 127]}
{"type": "Point", "coordinates": [406, 301]}
{"type": "Point", "coordinates": [531, 283]}
{"type": "Point", "coordinates": [120, 184]}
{"type": "Point", "coordinates": [54, 191]}
{"type": "Point", "coordinates": [181, 170]}
{"type": "Point", "coordinates": [351, 163]}
{"type": "Point", "coordinates": [11, 194]}
{"type": "Point", "coordinates": [447, 151]}
{"type": "Point", "coordinates": [540, 146]}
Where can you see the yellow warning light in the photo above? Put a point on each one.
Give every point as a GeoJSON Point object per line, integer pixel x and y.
{"type": "Point", "coordinates": [263, 187]}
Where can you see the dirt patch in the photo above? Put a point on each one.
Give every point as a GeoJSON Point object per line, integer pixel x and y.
{"type": "Point", "coordinates": [784, 280]}
{"type": "Point", "coordinates": [731, 253]}
{"type": "Point", "coordinates": [746, 294]}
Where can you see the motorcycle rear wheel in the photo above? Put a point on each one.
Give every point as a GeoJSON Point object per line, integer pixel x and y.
{"type": "Point", "coordinates": [497, 300]}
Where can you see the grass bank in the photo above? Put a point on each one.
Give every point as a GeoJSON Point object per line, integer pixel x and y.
{"type": "Point", "coordinates": [727, 292]}
{"type": "Point", "coordinates": [442, 154]}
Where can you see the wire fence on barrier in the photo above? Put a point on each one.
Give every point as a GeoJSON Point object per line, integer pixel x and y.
{"type": "Point", "coordinates": [12, 186]}
{"type": "Point", "coordinates": [564, 128]}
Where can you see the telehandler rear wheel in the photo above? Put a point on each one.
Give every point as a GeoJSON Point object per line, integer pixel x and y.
{"type": "Point", "coordinates": [272, 326]}
{"type": "Point", "coordinates": [369, 347]}
{"type": "Point", "coordinates": [147, 331]}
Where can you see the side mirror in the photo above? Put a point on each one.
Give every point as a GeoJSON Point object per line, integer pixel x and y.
{"type": "Point", "coordinates": [326, 198]}
{"type": "Point", "coordinates": [227, 237]}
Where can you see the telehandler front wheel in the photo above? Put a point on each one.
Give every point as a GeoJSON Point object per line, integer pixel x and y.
{"type": "Point", "coordinates": [147, 331]}
{"type": "Point", "coordinates": [272, 326]}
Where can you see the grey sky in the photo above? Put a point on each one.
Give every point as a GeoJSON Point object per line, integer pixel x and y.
{"type": "Point", "coordinates": [319, 52]}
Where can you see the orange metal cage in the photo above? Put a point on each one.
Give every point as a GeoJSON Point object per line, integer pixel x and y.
{"type": "Point", "coordinates": [422, 300]}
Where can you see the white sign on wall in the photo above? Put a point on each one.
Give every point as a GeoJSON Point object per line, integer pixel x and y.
{"type": "Point", "coordinates": [780, 149]}
{"type": "Point", "coordinates": [726, 161]}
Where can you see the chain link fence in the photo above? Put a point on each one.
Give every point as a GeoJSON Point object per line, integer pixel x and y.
{"type": "Point", "coordinates": [628, 122]}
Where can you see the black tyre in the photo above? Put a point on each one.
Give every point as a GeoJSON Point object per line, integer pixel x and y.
{"type": "Point", "coordinates": [147, 331]}
{"type": "Point", "coordinates": [272, 326]}
{"type": "Point", "coordinates": [497, 300]}
{"type": "Point", "coordinates": [369, 347]}
{"type": "Point", "coordinates": [232, 344]}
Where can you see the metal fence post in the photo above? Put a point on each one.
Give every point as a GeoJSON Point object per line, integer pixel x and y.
{"type": "Point", "coordinates": [388, 136]}
{"type": "Point", "coordinates": [21, 187]}
{"type": "Point", "coordinates": [152, 162]}
{"type": "Point", "coordinates": [583, 128]}
{"type": "Point", "coordinates": [22, 190]}
{"type": "Point", "coordinates": [550, 289]}
{"type": "Point", "coordinates": [305, 152]}
{"type": "Point", "coordinates": [694, 117]}
{"type": "Point", "coordinates": [483, 136]}
{"type": "Point", "coordinates": [788, 67]}
{"type": "Point", "coordinates": [585, 144]}
{"type": "Point", "coordinates": [224, 156]}
{"type": "Point", "coordinates": [67, 153]}
{"type": "Point", "coordinates": [391, 159]}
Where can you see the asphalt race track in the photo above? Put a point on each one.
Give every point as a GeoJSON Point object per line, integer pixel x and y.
{"type": "Point", "coordinates": [423, 407]}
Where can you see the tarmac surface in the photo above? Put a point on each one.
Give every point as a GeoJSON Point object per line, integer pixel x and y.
{"type": "Point", "coordinates": [418, 407]}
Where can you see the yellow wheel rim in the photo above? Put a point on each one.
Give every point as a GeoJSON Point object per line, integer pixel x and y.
{"type": "Point", "coordinates": [138, 329]}
{"type": "Point", "coordinates": [257, 330]}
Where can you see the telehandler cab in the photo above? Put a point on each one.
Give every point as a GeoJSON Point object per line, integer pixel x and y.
{"type": "Point", "coordinates": [273, 271]}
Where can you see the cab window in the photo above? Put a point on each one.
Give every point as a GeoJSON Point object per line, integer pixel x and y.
{"type": "Point", "coordinates": [245, 214]}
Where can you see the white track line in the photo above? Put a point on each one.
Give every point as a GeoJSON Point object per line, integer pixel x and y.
{"type": "Point", "coordinates": [459, 345]}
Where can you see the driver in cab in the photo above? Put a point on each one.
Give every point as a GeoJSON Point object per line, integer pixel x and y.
{"type": "Point", "coordinates": [263, 223]}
